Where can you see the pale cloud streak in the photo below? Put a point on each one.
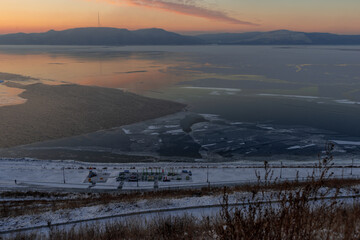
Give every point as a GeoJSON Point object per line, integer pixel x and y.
{"type": "Point", "coordinates": [185, 7]}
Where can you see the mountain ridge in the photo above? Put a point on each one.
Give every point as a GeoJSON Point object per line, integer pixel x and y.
{"type": "Point", "coordinates": [280, 37]}
{"type": "Point", "coordinates": [157, 36]}
{"type": "Point", "coordinates": [100, 36]}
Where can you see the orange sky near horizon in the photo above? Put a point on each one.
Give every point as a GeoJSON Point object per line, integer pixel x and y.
{"type": "Point", "coordinates": [182, 15]}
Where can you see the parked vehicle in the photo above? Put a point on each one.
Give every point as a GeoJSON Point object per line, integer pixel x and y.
{"type": "Point", "coordinates": [133, 177]}
{"type": "Point", "coordinates": [92, 174]}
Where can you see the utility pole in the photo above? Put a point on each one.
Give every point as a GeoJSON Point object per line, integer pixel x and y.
{"type": "Point", "coordinates": [64, 174]}
{"type": "Point", "coordinates": [156, 183]}
{"type": "Point", "coordinates": [281, 170]}
{"type": "Point", "coordinates": [352, 164]}
{"type": "Point", "coordinates": [207, 177]}
{"type": "Point", "coordinates": [137, 178]}
{"type": "Point", "coordinates": [207, 174]}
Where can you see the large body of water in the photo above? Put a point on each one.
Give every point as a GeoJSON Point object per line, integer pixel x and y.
{"type": "Point", "coordinates": [283, 99]}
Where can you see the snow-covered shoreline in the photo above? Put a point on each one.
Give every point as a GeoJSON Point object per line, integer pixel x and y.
{"type": "Point", "coordinates": [31, 174]}
{"type": "Point", "coordinates": [44, 175]}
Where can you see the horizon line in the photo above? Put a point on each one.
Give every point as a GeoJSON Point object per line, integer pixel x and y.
{"type": "Point", "coordinates": [184, 32]}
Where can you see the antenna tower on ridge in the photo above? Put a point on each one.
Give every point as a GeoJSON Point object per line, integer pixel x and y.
{"type": "Point", "coordinates": [99, 25]}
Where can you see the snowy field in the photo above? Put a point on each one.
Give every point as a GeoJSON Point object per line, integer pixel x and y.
{"type": "Point", "coordinates": [30, 174]}
{"type": "Point", "coordinates": [124, 210]}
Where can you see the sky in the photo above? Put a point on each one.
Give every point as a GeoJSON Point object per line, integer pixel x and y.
{"type": "Point", "coordinates": [183, 16]}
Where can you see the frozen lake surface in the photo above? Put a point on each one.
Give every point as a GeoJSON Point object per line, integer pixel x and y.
{"type": "Point", "coordinates": [258, 101]}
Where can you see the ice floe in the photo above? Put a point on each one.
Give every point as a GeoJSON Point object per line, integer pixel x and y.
{"type": "Point", "coordinates": [346, 101]}
{"type": "Point", "coordinates": [126, 131]}
{"type": "Point", "coordinates": [216, 89]}
{"type": "Point", "coordinates": [301, 147]}
{"type": "Point", "coordinates": [341, 142]}
{"type": "Point", "coordinates": [287, 96]}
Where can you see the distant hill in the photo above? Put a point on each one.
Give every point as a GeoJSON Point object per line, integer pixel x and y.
{"type": "Point", "coordinates": [100, 36]}
{"type": "Point", "coordinates": [281, 37]}
{"type": "Point", "coordinates": [155, 36]}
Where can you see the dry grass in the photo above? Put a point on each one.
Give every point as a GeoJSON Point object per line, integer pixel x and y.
{"type": "Point", "coordinates": [254, 222]}
{"type": "Point", "coordinates": [311, 211]}
{"type": "Point", "coordinates": [185, 227]}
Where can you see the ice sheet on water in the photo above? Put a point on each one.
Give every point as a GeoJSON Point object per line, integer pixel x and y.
{"type": "Point", "coordinates": [172, 126]}
{"type": "Point", "coordinates": [216, 89]}
{"type": "Point", "coordinates": [175, 132]}
{"type": "Point", "coordinates": [301, 147]}
{"type": "Point", "coordinates": [126, 131]}
{"type": "Point", "coordinates": [346, 101]}
{"type": "Point", "coordinates": [341, 142]}
{"type": "Point", "coordinates": [151, 127]}
{"type": "Point", "coordinates": [287, 96]}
